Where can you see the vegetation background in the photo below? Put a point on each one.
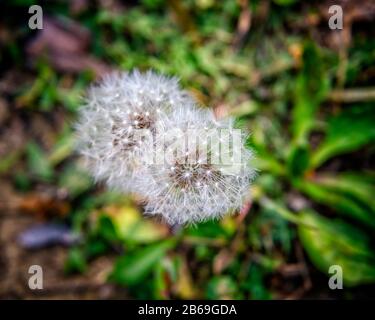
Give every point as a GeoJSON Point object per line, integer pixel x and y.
{"type": "Point", "coordinates": [304, 91]}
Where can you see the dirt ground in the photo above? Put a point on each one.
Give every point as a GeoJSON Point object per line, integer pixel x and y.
{"type": "Point", "coordinates": [15, 262]}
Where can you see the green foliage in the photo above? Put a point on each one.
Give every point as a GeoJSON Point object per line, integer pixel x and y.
{"type": "Point", "coordinates": [285, 2]}
{"type": "Point", "coordinates": [76, 262]}
{"type": "Point", "coordinates": [359, 187]}
{"type": "Point", "coordinates": [298, 161]}
{"type": "Point", "coordinates": [334, 242]}
{"type": "Point", "coordinates": [255, 283]}
{"type": "Point", "coordinates": [350, 130]}
{"type": "Point", "coordinates": [74, 180]}
{"type": "Point", "coordinates": [339, 201]}
{"type": "Point", "coordinates": [134, 267]}
{"type": "Point", "coordinates": [311, 86]}
{"type": "Point", "coordinates": [38, 163]}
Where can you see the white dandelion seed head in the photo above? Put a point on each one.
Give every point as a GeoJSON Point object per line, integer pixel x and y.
{"type": "Point", "coordinates": [190, 184]}
{"type": "Point", "coordinates": [190, 187]}
{"type": "Point", "coordinates": [117, 113]}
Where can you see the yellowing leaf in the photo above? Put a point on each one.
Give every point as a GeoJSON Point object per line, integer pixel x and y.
{"type": "Point", "coordinates": [131, 226]}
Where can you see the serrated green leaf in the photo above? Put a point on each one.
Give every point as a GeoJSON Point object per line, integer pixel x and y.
{"type": "Point", "coordinates": [350, 130]}
{"type": "Point", "coordinates": [359, 187]}
{"type": "Point", "coordinates": [338, 201]}
{"type": "Point", "coordinates": [334, 242]}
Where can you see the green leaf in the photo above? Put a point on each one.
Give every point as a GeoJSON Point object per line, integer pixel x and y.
{"type": "Point", "coordinates": [359, 187]}
{"type": "Point", "coordinates": [38, 162]}
{"type": "Point", "coordinates": [76, 261]}
{"type": "Point", "coordinates": [285, 2]}
{"type": "Point", "coordinates": [334, 242]}
{"type": "Point", "coordinates": [255, 283]}
{"type": "Point", "coordinates": [311, 88]}
{"type": "Point", "coordinates": [209, 229]}
{"type": "Point", "coordinates": [106, 229]}
{"type": "Point", "coordinates": [350, 130]}
{"type": "Point", "coordinates": [7, 161]}
{"type": "Point", "coordinates": [298, 161]}
{"type": "Point", "coordinates": [280, 210]}
{"type": "Point", "coordinates": [275, 231]}
{"type": "Point", "coordinates": [132, 227]}
{"type": "Point", "coordinates": [245, 108]}
{"type": "Point", "coordinates": [96, 246]}
{"type": "Point", "coordinates": [338, 201]}
{"type": "Point", "coordinates": [75, 180]}
{"type": "Point", "coordinates": [22, 181]}
{"type": "Point", "coordinates": [265, 162]}
{"type": "Point", "coordinates": [161, 279]}
{"type": "Point", "coordinates": [134, 267]}
{"type": "Point", "coordinates": [62, 149]}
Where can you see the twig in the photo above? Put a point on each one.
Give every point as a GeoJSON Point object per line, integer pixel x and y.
{"type": "Point", "coordinates": [243, 25]}
{"type": "Point", "coordinates": [352, 95]}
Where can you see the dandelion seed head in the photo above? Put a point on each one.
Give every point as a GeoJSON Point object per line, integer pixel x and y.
{"type": "Point", "coordinates": [193, 189]}
{"type": "Point", "coordinates": [109, 123]}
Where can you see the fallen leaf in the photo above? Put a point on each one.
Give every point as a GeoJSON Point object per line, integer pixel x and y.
{"type": "Point", "coordinates": [43, 206]}
{"type": "Point", "coordinates": [65, 44]}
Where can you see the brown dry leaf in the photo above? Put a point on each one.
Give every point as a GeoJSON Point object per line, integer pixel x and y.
{"type": "Point", "coordinates": [43, 206]}
{"type": "Point", "coordinates": [200, 97]}
{"type": "Point", "coordinates": [182, 16]}
{"type": "Point", "coordinates": [65, 44]}
{"type": "Point", "coordinates": [222, 260]}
